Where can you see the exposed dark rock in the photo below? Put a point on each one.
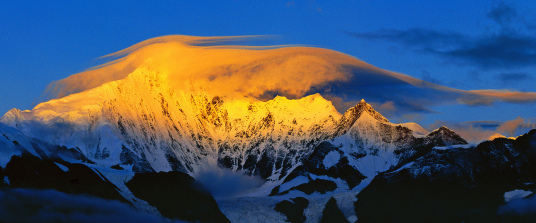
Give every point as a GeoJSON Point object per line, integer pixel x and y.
{"type": "Point", "coordinates": [29, 171]}
{"type": "Point", "coordinates": [452, 185]}
{"type": "Point", "coordinates": [176, 195]}
{"type": "Point", "coordinates": [314, 165]}
{"type": "Point", "coordinates": [332, 213]}
{"type": "Point", "coordinates": [117, 167]}
{"type": "Point", "coordinates": [264, 166]}
{"type": "Point", "coordinates": [2, 179]}
{"type": "Point", "coordinates": [414, 200]}
{"type": "Point", "coordinates": [275, 191]}
{"type": "Point", "coordinates": [527, 145]}
{"type": "Point", "coordinates": [175, 163]}
{"type": "Point", "coordinates": [140, 164]}
{"type": "Point", "coordinates": [293, 209]}
{"type": "Point", "coordinates": [318, 185]}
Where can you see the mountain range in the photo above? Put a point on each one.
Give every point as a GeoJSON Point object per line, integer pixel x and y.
{"type": "Point", "coordinates": [170, 152]}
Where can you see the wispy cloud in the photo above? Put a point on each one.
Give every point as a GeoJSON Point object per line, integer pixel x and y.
{"type": "Point", "coordinates": [488, 125]}
{"type": "Point", "coordinates": [424, 39]}
{"type": "Point", "coordinates": [224, 183]}
{"type": "Point", "coordinates": [487, 97]}
{"type": "Point", "coordinates": [511, 126]}
{"type": "Point", "coordinates": [427, 76]}
{"type": "Point", "coordinates": [511, 46]}
{"type": "Point", "coordinates": [495, 51]}
{"type": "Point", "coordinates": [522, 210]}
{"type": "Point", "coordinates": [506, 77]}
{"type": "Point", "coordinates": [489, 51]}
{"type": "Point", "coordinates": [502, 14]}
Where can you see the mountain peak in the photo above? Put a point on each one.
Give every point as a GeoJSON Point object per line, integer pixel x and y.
{"type": "Point", "coordinates": [495, 136]}
{"type": "Point", "coordinates": [363, 106]}
{"type": "Point", "coordinates": [443, 136]}
{"type": "Point", "coordinates": [354, 113]}
{"type": "Point", "coordinates": [443, 129]}
{"type": "Point", "coordinates": [12, 116]}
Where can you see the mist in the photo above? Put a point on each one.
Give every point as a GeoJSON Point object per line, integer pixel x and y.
{"type": "Point", "coordinates": [519, 207]}
{"type": "Point", "coordinates": [224, 183]}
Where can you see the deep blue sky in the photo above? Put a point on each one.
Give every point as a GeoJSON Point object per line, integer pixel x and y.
{"type": "Point", "coordinates": [475, 44]}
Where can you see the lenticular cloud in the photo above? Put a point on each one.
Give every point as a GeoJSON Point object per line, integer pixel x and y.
{"type": "Point", "coordinates": [263, 72]}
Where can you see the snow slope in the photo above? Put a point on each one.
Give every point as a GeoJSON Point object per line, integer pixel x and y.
{"type": "Point", "coordinates": [144, 122]}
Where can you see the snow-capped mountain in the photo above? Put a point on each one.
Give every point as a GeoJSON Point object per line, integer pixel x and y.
{"type": "Point", "coordinates": [304, 148]}
{"type": "Point", "coordinates": [147, 132]}
{"type": "Point", "coordinates": [458, 183]}
{"type": "Point", "coordinates": [33, 164]}
{"type": "Point", "coordinates": [141, 122]}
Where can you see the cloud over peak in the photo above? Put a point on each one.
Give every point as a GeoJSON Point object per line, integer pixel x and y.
{"type": "Point", "coordinates": [263, 72]}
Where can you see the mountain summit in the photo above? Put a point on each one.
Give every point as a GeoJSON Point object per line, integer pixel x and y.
{"type": "Point", "coordinates": [362, 106]}
{"type": "Point", "coordinates": [444, 137]}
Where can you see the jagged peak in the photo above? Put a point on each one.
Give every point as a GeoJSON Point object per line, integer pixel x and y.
{"type": "Point", "coordinates": [314, 101]}
{"type": "Point", "coordinates": [363, 106]}
{"type": "Point", "coordinates": [495, 136]}
{"type": "Point", "coordinates": [353, 114]}
{"type": "Point", "coordinates": [443, 136]}
{"type": "Point", "coordinates": [311, 97]}
{"type": "Point", "coordinates": [12, 115]}
{"type": "Point", "coordinates": [443, 129]}
{"type": "Point", "coordinates": [13, 111]}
